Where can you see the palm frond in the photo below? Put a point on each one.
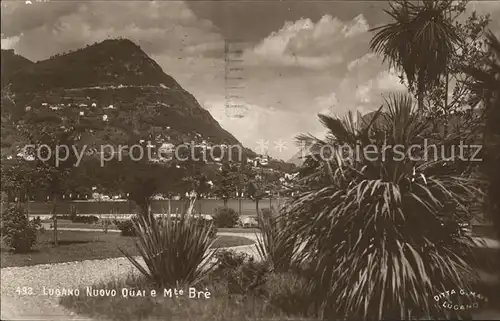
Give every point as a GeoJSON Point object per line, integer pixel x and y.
{"type": "Point", "coordinates": [381, 237]}
{"type": "Point", "coordinates": [420, 41]}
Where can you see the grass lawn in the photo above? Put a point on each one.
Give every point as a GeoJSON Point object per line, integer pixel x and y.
{"type": "Point", "coordinates": [79, 246]}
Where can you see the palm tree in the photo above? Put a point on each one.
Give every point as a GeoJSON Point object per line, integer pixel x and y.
{"type": "Point", "coordinates": [419, 42]}
{"type": "Point", "coordinates": [486, 89]}
{"type": "Point", "coordinates": [380, 233]}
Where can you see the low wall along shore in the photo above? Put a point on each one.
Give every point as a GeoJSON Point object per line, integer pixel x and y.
{"type": "Point", "coordinates": [119, 217]}
{"type": "Point", "coordinates": [205, 206]}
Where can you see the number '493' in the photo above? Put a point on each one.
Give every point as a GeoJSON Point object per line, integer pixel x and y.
{"type": "Point", "coordinates": [25, 290]}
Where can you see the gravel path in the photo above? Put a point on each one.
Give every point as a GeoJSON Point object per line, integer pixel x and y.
{"type": "Point", "coordinates": [71, 275]}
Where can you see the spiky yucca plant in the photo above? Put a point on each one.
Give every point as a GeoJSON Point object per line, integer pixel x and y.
{"type": "Point", "coordinates": [275, 246]}
{"type": "Point", "coordinates": [381, 233]}
{"type": "Point", "coordinates": [176, 251]}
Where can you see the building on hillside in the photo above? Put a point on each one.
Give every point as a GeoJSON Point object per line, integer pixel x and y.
{"type": "Point", "coordinates": [259, 160]}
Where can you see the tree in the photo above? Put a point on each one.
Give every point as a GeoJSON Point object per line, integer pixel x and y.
{"type": "Point", "coordinates": [256, 188]}
{"type": "Point", "coordinates": [226, 183]}
{"type": "Point", "coordinates": [448, 101]}
{"type": "Point", "coordinates": [53, 136]}
{"type": "Point", "coordinates": [140, 180]}
{"type": "Point", "coordinates": [243, 177]}
{"type": "Point", "coordinates": [429, 42]}
{"type": "Point", "coordinates": [195, 180]}
{"type": "Point", "coordinates": [485, 85]}
{"type": "Point", "coordinates": [255, 193]}
{"type": "Point", "coordinates": [18, 178]}
{"type": "Point", "coordinates": [419, 42]}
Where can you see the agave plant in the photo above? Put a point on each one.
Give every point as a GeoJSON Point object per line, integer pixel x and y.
{"type": "Point", "coordinates": [381, 232]}
{"type": "Point", "coordinates": [176, 251]}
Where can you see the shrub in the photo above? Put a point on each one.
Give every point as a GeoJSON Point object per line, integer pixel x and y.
{"type": "Point", "coordinates": [37, 222]}
{"type": "Point", "coordinates": [63, 217]}
{"type": "Point", "coordinates": [287, 291]}
{"type": "Point", "coordinates": [176, 253]}
{"type": "Point", "coordinates": [240, 273]}
{"type": "Point", "coordinates": [229, 259]}
{"type": "Point", "coordinates": [105, 223]}
{"type": "Point", "coordinates": [127, 226]}
{"type": "Point", "coordinates": [88, 219]}
{"type": "Point", "coordinates": [225, 217]}
{"type": "Point", "coordinates": [18, 231]}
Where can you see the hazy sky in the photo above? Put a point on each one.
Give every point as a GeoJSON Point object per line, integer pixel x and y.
{"type": "Point", "coordinates": [300, 58]}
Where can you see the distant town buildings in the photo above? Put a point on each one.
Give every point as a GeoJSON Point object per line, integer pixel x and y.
{"type": "Point", "coordinates": [259, 160]}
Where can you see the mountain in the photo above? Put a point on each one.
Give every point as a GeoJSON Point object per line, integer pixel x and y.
{"type": "Point", "coordinates": [111, 62]}
{"type": "Point", "coordinates": [11, 63]}
{"type": "Point", "coordinates": [113, 78]}
{"type": "Point", "coordinates": [296, 159]}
